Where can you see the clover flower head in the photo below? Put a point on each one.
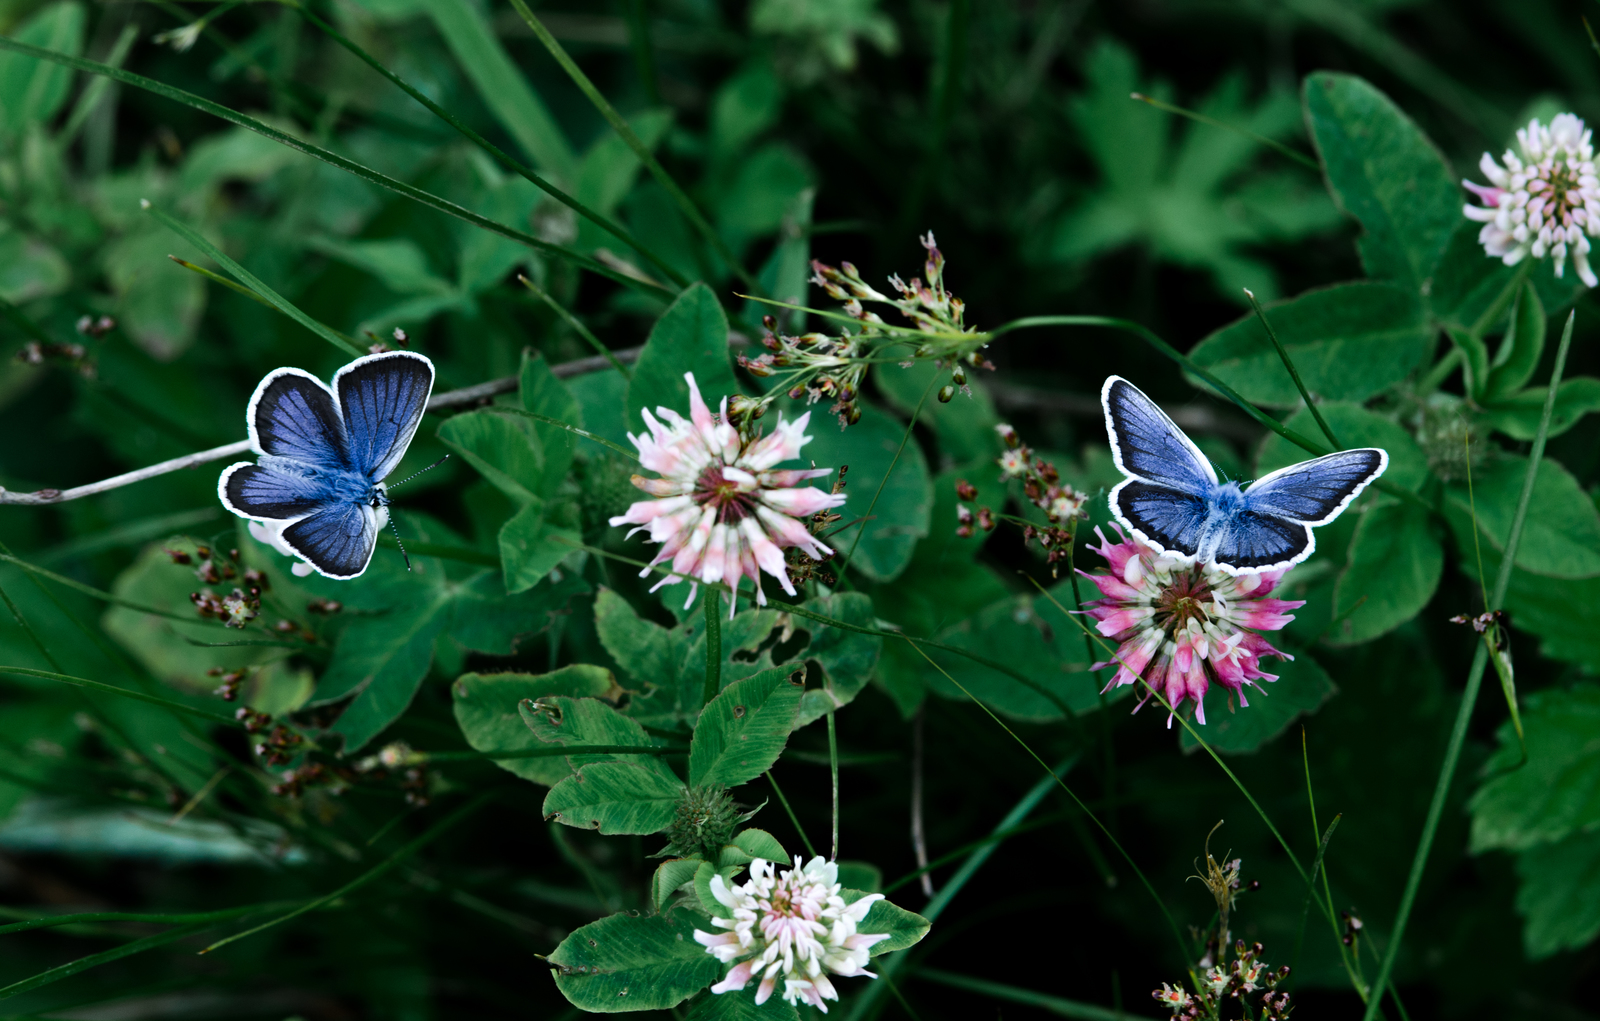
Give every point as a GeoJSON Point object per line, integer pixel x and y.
{"type": "Point", "coordinates": [720, 510]}
{"type": "Point", "coordinates": [1544, 200]}
{"type": "Point", "coordinates": [1180, 627]}
{"type": "Point", "coordinates": [793, 927]}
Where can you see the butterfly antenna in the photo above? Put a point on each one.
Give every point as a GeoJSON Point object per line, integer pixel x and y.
{"type": "Point", "coordinates": [413, 475]}
{"type": "Point", "coordinates": [406, 556]}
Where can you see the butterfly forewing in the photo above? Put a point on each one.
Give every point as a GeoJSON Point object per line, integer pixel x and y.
{"type": "Point", "coordinates": [1148, 445]}
{"type": "Point", "coordinates": [383, 397]}
{"type": "Point", "coordinates": [1316, 491]}
{"type": "Point", "coordinates": [337, 541]}
{"type": "Point", "coordinates": [293, 415]}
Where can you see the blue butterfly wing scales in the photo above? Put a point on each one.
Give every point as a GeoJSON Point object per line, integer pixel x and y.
{"type": "Point", "coordinates": [338, 541]}
{"type": "Point", "coordinates": [325, 453]}
{"type": "Point", "coordinates": [1166, 517]}
{"type": "Point", "coordinates": [1316, 491]}
{"type": "Point", "coordinates": [1173, 501]}
{"type": "Point", "coordinates": [382, 397]}
{"type": "Point", "coordinates": [1146, 444]}
{"type": "Point", "coordinates": [292, 414]}
{"type": "Point", "coordinates": [280, 490]}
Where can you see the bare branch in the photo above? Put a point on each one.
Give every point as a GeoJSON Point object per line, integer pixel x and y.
{"type": "Point", "coordinates": [465, 397]}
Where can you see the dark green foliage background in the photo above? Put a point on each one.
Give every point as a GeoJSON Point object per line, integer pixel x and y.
{"type": "Point", "coordinates": [838, 130]}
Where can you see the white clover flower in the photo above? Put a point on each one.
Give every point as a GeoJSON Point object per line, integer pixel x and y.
{"type": "Point", "coordinates": [795, 927]}
{"type": "Point", "coordinates": [721, 512]}
{"type": "Point", "coordinates": [1545, 201]}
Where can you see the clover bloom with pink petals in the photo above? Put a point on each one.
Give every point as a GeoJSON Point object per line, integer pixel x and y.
{"type": "Point", "coordinates": [795, 927]}
{"type": "Point", "coordinates": [721, 512]}
{"type": "Point", "coordinates": [1545, 200]}
{"type": "Point", "coordinates": [1181, 627]}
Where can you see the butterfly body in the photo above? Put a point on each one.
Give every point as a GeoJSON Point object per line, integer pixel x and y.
{"type": "Point", "coordinates": [318, 486]}
{"type": "Point", "coordinates": [1173, 501]}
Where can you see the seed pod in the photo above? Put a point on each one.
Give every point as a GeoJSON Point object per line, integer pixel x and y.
{"type": "Point", "coordinates": [945, 393]}
{"type": "Point", "coordinates": [959, 376]}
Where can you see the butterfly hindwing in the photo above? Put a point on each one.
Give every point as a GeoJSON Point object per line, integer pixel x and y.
{"type": "Point", "coordinates": [1147, 444]}
{"type": "Point", "coordinates": [293, 414]}
{"type": "Point", "coordinates": [1249, 541]}
{"type": "Point", "coordinates": [383, 397]}
{"type": "Point", "coordinates": [1164, 517]}
{"type": "Point", "coordinates": [338, 541]}
{"type": "Point", "coordinates": [1316, 491]}
{"type": "Point", "coordinates": [269, 492]}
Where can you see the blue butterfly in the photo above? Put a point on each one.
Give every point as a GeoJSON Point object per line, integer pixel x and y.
{"type": "Point", "coordinates": [1172, 501]}
{"type": "Point", "coordinates": [318, 486]}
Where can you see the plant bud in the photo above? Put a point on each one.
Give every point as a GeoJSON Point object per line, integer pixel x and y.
{"type": "Point", "coordinates": [946, 392]}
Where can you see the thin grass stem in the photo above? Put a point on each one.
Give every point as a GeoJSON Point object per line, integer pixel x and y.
{"type": "Point", "coordinates": [713, 611]}
{"type": "Point", "coordinates": [433, 833]}
{"type": "Point", "coordinates": [685, 204]}
{"type": "Point", "coordinates": [794, 819]}
{"type": "Point", "coordinates": [1469, 695]}
{"type": "Point", "coordinates": [833, 770]}
{"type": "Point", "coordinates": [333, 159]}
{"type": "Point", "coordinates": [1294, 373]}
{"type": "Point", "coordinates": [904, 439]}
{"type": "Point", "coordinates": [251, 281]}
{"type": "Point", "coordinates": [576, 324]}
{"type": "Point", "coordinates": [594, 216]}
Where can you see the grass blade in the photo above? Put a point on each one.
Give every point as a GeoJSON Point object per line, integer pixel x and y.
{"type": "Point", "coordinates": [685, 204]}
{"type": "Point", "coordinates": [501, 86]}
{"type": "Point", "coordinates": [333, 159]}
{"type": "Point", "coordinates": [594, 216]}
{"type": "Point", "coordinates": [1200, 118]}
{"type": "Point", "coordinates": [84, 682]}
{"type": "Point", "coordinates": [1294, 373]}
{"type": "Point", "coordinates": [810, 851]}
{"type": "Point", "coordinates": [251, 281]}
{"type": "Point", "coordinates": [1027, 997]}
{"type": "Point", "coordinates": [83, 964]}
{"type": "Point", "coordinates": [863, 1005]}
{"type": "Point", "coordinates": [1469, 696]}
{"type": "Point", "coordinates": [433, 833]}
{"type": "Point", "coordinates": [577, 325]}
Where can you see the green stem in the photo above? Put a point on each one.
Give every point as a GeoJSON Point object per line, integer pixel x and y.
{"type": "Point", "coordinates": [503, 158]}
{"type": "Point", "coordinates": [1447, 364]}
{"type": "Point", "coordinates": [833, 769]}
{"type": "Point", "coordinates": [1469, 696]}
{"type": "Point", "coordinates": [867, 517]}
{"type": "Point", "coordinates": [251, 281]}
{"type": "Point", "coordinates": [138, 696]}
{"type": "Point", "coordinates": [863, 1006]}
{"type": "Point", "coordinates": [577, 325]}
{"type": "Point", "coordinates": [94, 592]}
{"type": "Point", "coordinates": [52, 921]}
{"type": "Point", "coordinates": [1294, 373]}
{"type": "Point", "coordinates": [685, 204]}
{"type": "Point", "coordinates": [713, 608]}
{"type": "Point", "coordinates": [810, 851]}
{"type": "Point", "coordinates": [550, 752]}
{"type": "Point", "coordinates": [1025, 997]}
{"type": "Point", "coordinates": [1149, 887]}
{"type": "Point", "coordinates": [1299, 157]}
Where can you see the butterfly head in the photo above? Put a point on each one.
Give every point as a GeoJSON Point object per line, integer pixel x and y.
{"type": "Point", "coordinates": [377, 496]}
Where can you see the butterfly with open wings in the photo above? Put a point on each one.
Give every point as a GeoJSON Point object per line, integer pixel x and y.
{"type": "Point", "coordinates": [1173, 502]}
{"type": "Point", "coordinates": [324, 453]}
